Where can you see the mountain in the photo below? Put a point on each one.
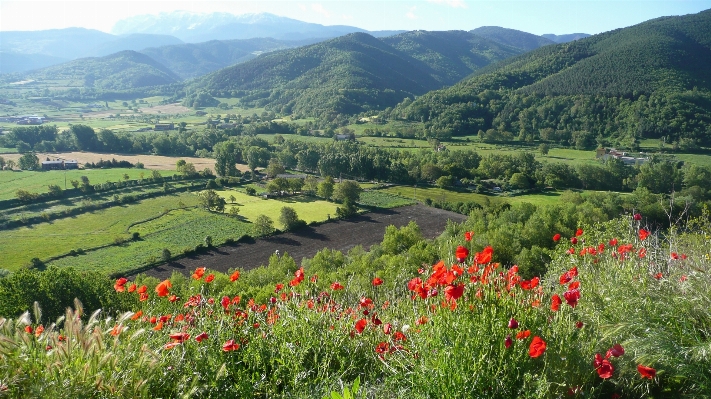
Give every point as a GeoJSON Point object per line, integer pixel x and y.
{"type": "Point", "coordinates": [565, 38]}
{"type": "Point", "coordinates": [135, 42]}
{"type": "Point", "coordinates": [356, 72]}
{"type": "Point", "coordinates": [190, 60]}
{"type": "Point", "coordinates": [124, 70]}
{"type": "Point", "coordinates": [193, 28]}
{"type": "Point", "coordinates": [15, 62]}
{"type": "Point", "coordinates": [512, 37]}
{"type": "Point", "coordinates": [649, 80]}
{"type": "Point", "coordinates": [67, 43]}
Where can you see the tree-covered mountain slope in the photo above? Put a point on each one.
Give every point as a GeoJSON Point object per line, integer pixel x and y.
{"type": "Point", "coordinates": [191, 60]}
{"type": "Point", "coordinates": [648, 80]}
{"type": "Point", "coordinates": [512, 37]}
{"type": "Point", "coordinates": [119, 71]}
{"type": "Point", "coordinates": [565, 38]}
{"type": "Point", "coordinates": [356, 72]}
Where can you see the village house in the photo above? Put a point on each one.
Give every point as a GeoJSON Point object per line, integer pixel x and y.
{"type": "Point", "coordinates": [625, 157]}
{"type": "Point", "coordinates": [59, 164]}
{"type": "Point", "coordinates": [164, 126]}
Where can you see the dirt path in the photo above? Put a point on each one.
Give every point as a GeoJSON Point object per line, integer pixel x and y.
{"type": "Point", "coordinates": [342, 235]}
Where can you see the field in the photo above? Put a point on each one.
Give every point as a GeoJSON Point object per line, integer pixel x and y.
{"type": "Point", "coordinates": [156, 162]}
{"type": "Point", "coordinates": [308, 208]}
{"type": "Point", "coordinates": [84, 231]}
{"type": "Point", "coordinates": [381, 199]}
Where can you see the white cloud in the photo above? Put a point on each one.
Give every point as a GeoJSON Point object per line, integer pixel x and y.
{"type": "Point", "coordinates": [302, 7]}
{"type": "Point", "coordinates": [318, 8]}
{"type": "Point", "coordinates": [411, 13]}
{"type": "Point", "coordinates": [451, 3]}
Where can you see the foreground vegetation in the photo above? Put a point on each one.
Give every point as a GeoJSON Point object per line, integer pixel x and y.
{"type": "Point", "coordinates": [618, 312]}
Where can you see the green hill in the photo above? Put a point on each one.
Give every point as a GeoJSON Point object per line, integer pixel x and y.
{"type": "Point", "coordinates": [648, 80]}
{"type": "Point", "coordinates": [512, 37]}
{"type": "Point", "coordinates": [124, 70]}
{"type": "Point", "coordinates": [356, 72]}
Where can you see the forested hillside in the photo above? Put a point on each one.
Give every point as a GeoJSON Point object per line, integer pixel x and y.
{"type": "Point", "coordinates": [512, 37]}
{"type": "Point", "coordinates": [649, 80]}
{"type": "Point", "coordinates": [120, 71]}
{"type": "Point", "coordinates": [356, 72]}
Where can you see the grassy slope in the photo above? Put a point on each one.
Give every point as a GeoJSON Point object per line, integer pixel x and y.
{"type": "Point", "coordinates": [308, 209]}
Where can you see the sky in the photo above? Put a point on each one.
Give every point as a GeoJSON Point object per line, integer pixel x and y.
{"type": "Point", "coordinates": [533, 16]}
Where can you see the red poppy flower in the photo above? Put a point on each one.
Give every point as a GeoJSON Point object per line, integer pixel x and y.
{"type": "Point", "coordinates": [461, 253]}
{"type": "Point", "coordinates": [579, 232]}
{"type": "Point", "coordinates": [28, 329]}
{"type": "Point", "coordinates": [422, 320]}
{"type": "Point", "coordinates": [337, 286]}
{"type": "Point", "coordinates": [119, 285]}
{"type": "Point", "coordinates": [142, 289]}
{"type": "Point", "coordinates": [201, 337]}
{"type": "Point", "coordinates": [234, 276]}
{"type": "Point", "coordinates": [574, 285]}
{"type": "Point", "coordinates": [158, 326]}
{"type": "Point", "coordinates": [513, 323]}
{"type": "Point", "coordinates": [387, 328]}
{"type": "Point", "coordinates": [171, 345]}
{"type": "Point", "coordinates": [613, 242]}
{"type": "Point", "coordinates": [573, 240]}
{"type": "Point", "coordinates": [647, 372]}
{"type": "Point", "coordinates": [173, 298]}
{"type": "Point", "coordinates": [180, 337]}
{"type": "Point", "coordinates": [537, 347]}
{"type": "Point", "coordinates": [382, 348]}
{"type": "Point", "coordinates": [377, 281]}
{"type": "Point", "coordinates": [643, 234]}
{"type": "Point", "coordinates": [637, 216]}
{"type": "Point", "coordinates": [137, 315]}
{"type": "Point", "coordinates": [132, 288]}
{"type": "Point", "coordinates": [199, 272]}
{"type": "Point", "coordinates": [163, 287]}
{"type": "Point", "coordinates": [468, 235]}
{"type": "Point", "coordinates": [143, 297]}
{"type": "Point", "coordinates": [39, 330]}
{"type": "Point", "coordinates": [360, 325]}
{"type": "Point", "coordinates": [225, 302]}
{"type": "Point", "coordinates": [508, 341]}
{"type": "Point", "coordinates": [572, 297]}
{"type": "Point", "coordinates": [230, 346]}
{"type": "Point", "coordinates": [556, 237]}
{"type": "Point", "coordinates": [278, 287]}
{"type": "Point", "coordinates": [209, 278]}
{"type": "Point", "coordinates": [399, 336]}
{"type": "Point", "coordinates": [453, 292]}
{"type": "Point", "coordinates": [616, 351]}
{"type": "Point", "coordinates": [605, 369]}
{"type": "Point", "coordinates": [579, 324]}
{"type": "Point", "coordinates": [530, 284]}
{"type": "Point", "coordinates": [555, 302]}
{"type": "Point", "coordinates": [116, 330]}
{"type": "Point", "coordinates": [658, 276]}
{"type": "Point", "coordinates": [523, 334]}
{"type": "Point", "coordinates": [484, 256]}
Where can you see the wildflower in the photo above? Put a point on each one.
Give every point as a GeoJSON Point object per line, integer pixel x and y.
{"type": "Point", "coordinates": [337, 286]}
{"type": "Point", "coordinates": [484, 256]}
{"type": "Point", "coordinates": [173, 298]}
{"type": "Point", "coordinates": [387, 328]}
{"type": "Point", "coordinates": [555, 302]}
{"type": "Point", "coordinates": [579, 232]}
{"type": "Point", "coordinates": [116, 330]}
{"type": "Point", "coordinates": [468, 235]}
{"type": "Point", "coordinates": [573, 240]}
{"type": "Point", "coordinates": [29, 329]}
{"type": "Point", "coordinates": [643, 234]}
{"type": "Point", "coordinates": [513, 324]}
{"type": "Point", "coordinates": [201, 337]}
{"type": "Point", "coordinates": [658, 276]}
{"type": "Point", "coordinates": [422, 320]}
{"type": "Point", "coordinates": [234, 276]}
{"type": "Point", "coordinates": [646, 372]}
{"type": "Point", "coordinates": [461, 254]}
{"type": "Point", "coordinates": [453, 292]}
{"type": "Point", "coordinates": [537, 347]}
{"type": "Point", "coordinates": [132, 287]}
{"type": "Point", "coordinates": [399, 336]}
{"type": "Point", "coordinates": [137, 315]}
{"type": "Point", "coordinates": [572, 297]}
{"type": "Point", "coordinates": [119, 285]}
{"type": "Point", "coordinates": [278, 288]}
{"type": "Point", "coordinates": [180, 337]}
{"type": "Point", "coordinates": [360, 325]}
{"type": "Point", "coordinates": [523, 334]}
{"type": "Point", "coordinates": [199, 272]}
{"type": "Point", "coordinates": [39, 330]}
{"type": "Point", "coordinates": [142, 289]}
{"type": "Point", "coordinates": [603, 367]}
{"type": "Point", "coordinates": [616, 351]}
{"type": "Point", "coordinates": [382, 348]}
{"type": "Point", "coordinates": [171, 345]}
{"type": "Point", "coordinates": [377, 281]}
{"type": "Point", "coordinates": [158, 326]}
{"type": "Point", "coordinates": [579, 324]}
{"type": "Point", "coordinates": [230, 346]}
{"type": "Point", "coordinates": [209, 278]}
{"type": "Point", "coordinates": [556, 237]}
{"type": "Point", "coordinates": [162, 288]}
{"type": "Point", "coordinates": [508, 341]}
{"type": "Point", "coordinates": [143, 297]}
{"type": "Point", "coordinates": [613, 242]}
{"type": "Point", "coordinates": [530, 284]}
{"type": "Point", "coordinates": [568, 276]}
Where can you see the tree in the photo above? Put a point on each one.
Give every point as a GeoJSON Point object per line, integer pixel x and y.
{"type": "Point", "coordinates": [25, 196]}
{"type": "Point", "coordinates": [543, 149]}
{"type": "Point", "coordinates": [262, 226]}
{"type": "Point", "coordinates": [166, 255]}
{"type": "Point", "coordinates": [234, 211]}
{"type": "Point", "coordinates": [2, 163]}
{"type": "Point", "coordinates": [311, 184]}
{"type": "Point", "coordinates": [29, 161]}
{"type": "Point", "coordinates": [295, 185]}
{"type": "Point", "coordinates": [10, 164]}
{"type": "Point", "coordinates": [325, 188]}
{"type": "Point", "coordinates": [275, 168]}
{"type": "Point", "coordinates": [232, 199]}
{"type": "Point", "coordinates": [348, 190]}
{"type": "Point", "coordinates": [84, 137]}
{"type": "Point", "coordinates": [288, 218]}
{"type": "Point", "coordinates": [210, 199]}
{"type": "Point", "coordinates": [226, 158]}
{"type": "Point", "coordinates": [445, 182]}
{"type": "Point", "coordinates": [250, 191]}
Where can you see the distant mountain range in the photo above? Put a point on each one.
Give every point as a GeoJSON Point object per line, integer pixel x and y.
{"type": "Point", "coordinates": [27, 50]}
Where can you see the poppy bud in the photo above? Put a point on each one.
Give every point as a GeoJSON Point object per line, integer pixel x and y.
{"type": "Point", "coordinates": [637, 216]}
{"type": "Point", "coordinates": [508, 341]}
{"type": "Point", "coordinates": [573, 240]}
{"type": "Point", "coordinates": [513, 323]}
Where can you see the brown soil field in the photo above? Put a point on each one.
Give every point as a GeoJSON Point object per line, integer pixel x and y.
{"type": "Point", "coordinates": [149, 161]}
{"type": "Point", "coordinates": [342, 235]}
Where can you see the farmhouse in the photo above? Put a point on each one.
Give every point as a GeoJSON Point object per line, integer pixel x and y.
{"type": "Point", "coordinates": [59, 164]}
{"type": "Point", "coordinates": [164, 126]}
{"type": "Point", "coordinates": [345, 137]}
{"type": "Point", "coordinates": [628, 159]}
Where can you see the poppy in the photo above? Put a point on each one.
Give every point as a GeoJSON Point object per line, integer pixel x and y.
{"type": "Point", "coordinates": [158, 326]}
{"type": "Point", "coordinates": [116, 330]}
{"type": "Point", "coordinates": [647, 372]}
{"type": "Point", "coordinates": [616, 351]}
{"type": "Point", "coordinates": [234, 276]}
{"type": "Point", "coordinates": [579, 232]}
{"type": "Point", "coordinates": [484, 256]}
{"type": "Point", "coordinates": [605, 369]}
{"type": "Point", "coordinates": [39, 330]}
{"type": "Point", "coordinates": [201, 337]}
{"type": "Point", "coordinates": [382, 348]}
{"type": "Point", "coordinates": [555, 302]}
{"type": "Point", "coordinates": [119, 285]}
{"type": "Point", "coordinates": [613, 242]}
{"type": "Point", "coordinates": [29, 329]}
{"type": "Point", "coordinates": [523, 334]}
{"type": "Point", "coordinates": [461, 253]}
{"type": "Point", "coordinates": [163, 287]}
{"type": "Point", "coordinates": [142, 289]}
{"type": "Point", "coordinates": [422, 320]}
{"type": "Point", "coordinates": [173, 298]}
{"type": "Point", "coordinates": [387, 328]}
{"type": "Point", "coordinates": [643, 234]}
{"type": "Point", "coordinates": [573, 240]}
{"type": "Point", "coordinates": [530, 284]}
{"type": "Point", "coordinates": [360, 325]}
{"type": "Point", "coordinates": [337, 286]}
{"type": "Point", "coordinates": [579, 324]}
{"type": "Point", "coordinates": [468, 235]}
{"type": "Point", "coordinates": [399, 336]}
{"type": "Point", "coordinates": [278, 287]}
{"type": "Point", "coordinates": [377, 281]}
{"type": "Point", "coordinates": [225, 302]}
{"type": "Point", "coordinates": [572, 297]}
{"type": "Point", "coordinates": [513, 323]}
{"type": "Point", "coordinates": [508, 341]}
{"type": "Point", "coordinates": [556, 237]}
{"type": "Point", "coordinates": [230, 346]}
{"type": "Point", "coordinates": [537, 347]}
{"type": "Point", "coordinates": [132, 288]}
{"type": "Point", "coordinates": [209, 278]}
{"type": "Point", "coordinates": [170, 345]}
{"type": "Point", "coordinates": [637, 216]}
{"type": "Point", "coordinates": [137, 315]}
{"type": "Point", "coordinates": [199, 272]}
{"type": "Point", "coordinates": [153, 320]}
{"type": "Point", "coordinates": [143, 296]}
{"type": "Point", "coordinates": [658, 276]}
{"type": "Point", "coordinates": [180, 337]}
{"type": "Point", "coordinates": [453, 292]}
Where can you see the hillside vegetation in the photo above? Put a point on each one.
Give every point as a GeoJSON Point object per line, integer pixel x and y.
{"type": "Point", "coordinates": [646, 81]}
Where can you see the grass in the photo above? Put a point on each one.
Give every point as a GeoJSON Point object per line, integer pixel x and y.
{"type": "Point", "coordinates": [437, 194]}
{"type": "Point", "coordinates": [309, 209]}
{"type": "Point", "coordinates": [380, 199]}
{"type": "Point", "coordinates": [37, 182]}
{"type": "Point", "coordinates": [19, 246]}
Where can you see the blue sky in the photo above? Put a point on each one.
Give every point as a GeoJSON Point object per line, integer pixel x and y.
{"type": "Point", "coordinates": [532, 16]}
